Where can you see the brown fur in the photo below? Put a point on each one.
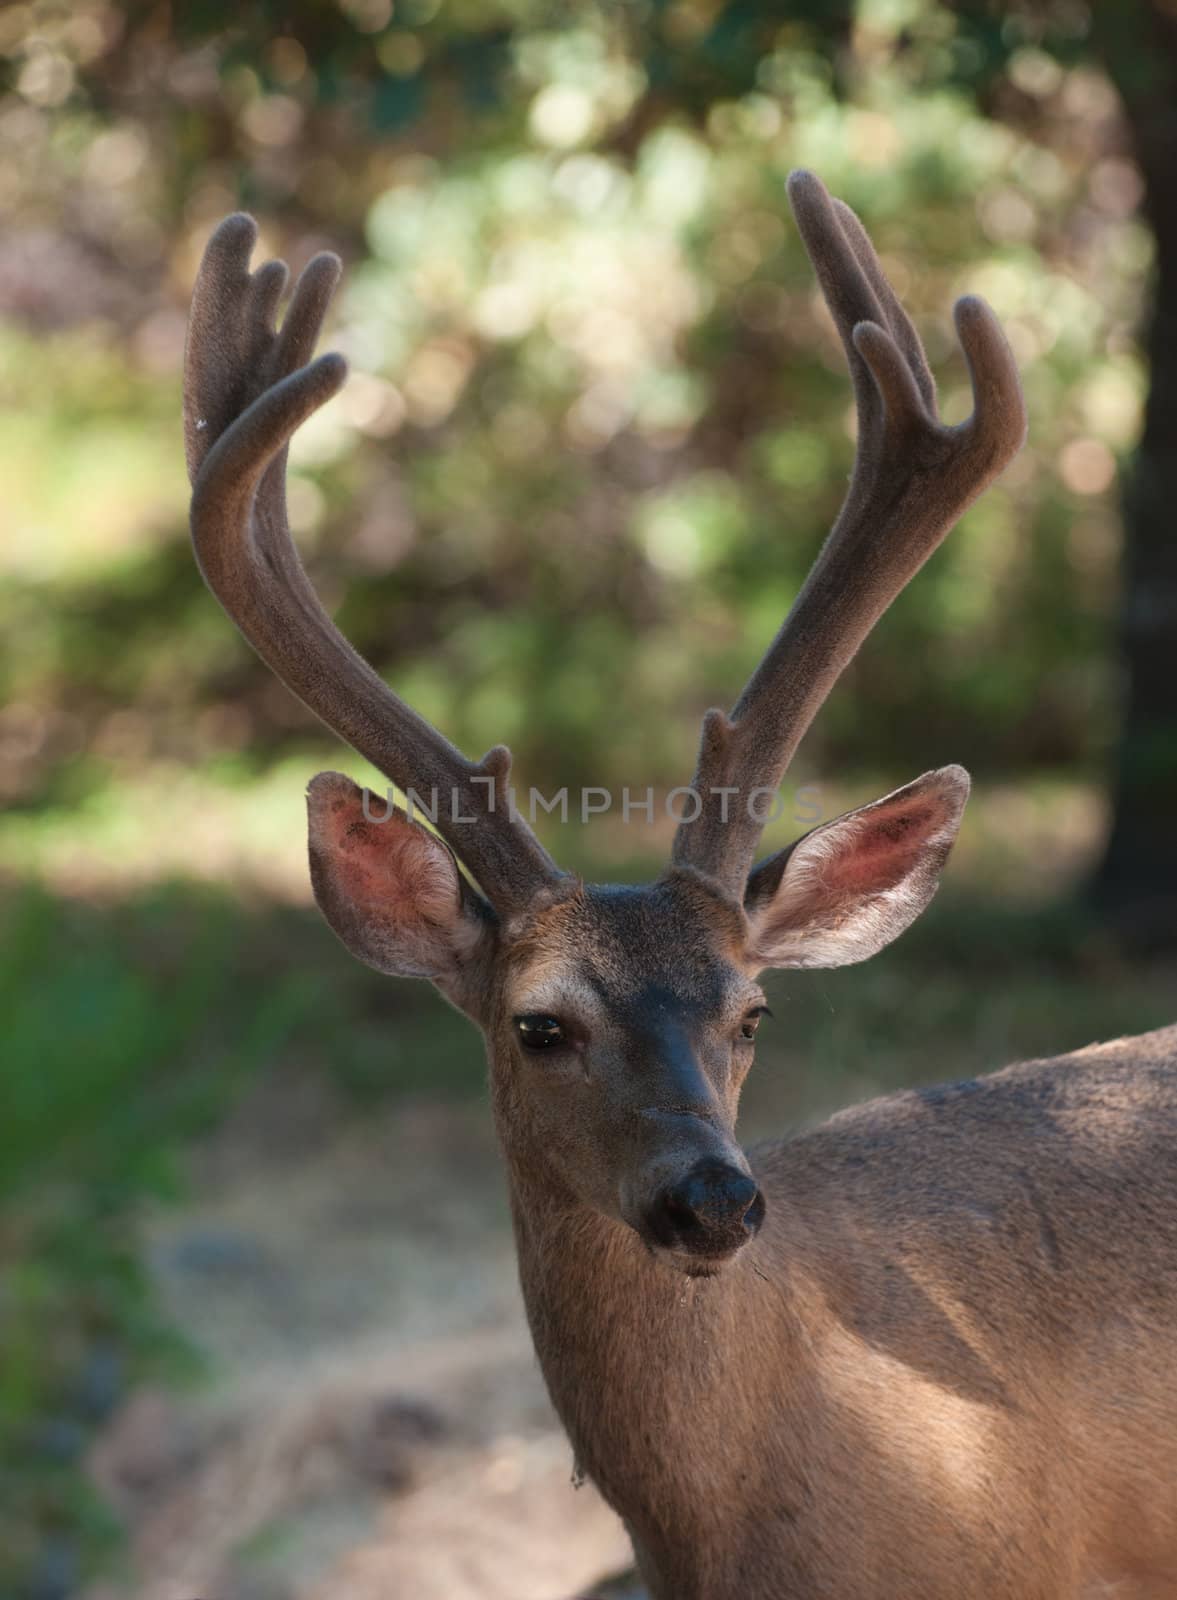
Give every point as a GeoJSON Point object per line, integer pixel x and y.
{"type": "Point", "coordinates": [933, 1373]}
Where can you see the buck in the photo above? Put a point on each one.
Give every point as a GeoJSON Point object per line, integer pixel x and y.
{"type": "Point", "coordinates": [928, 1349]}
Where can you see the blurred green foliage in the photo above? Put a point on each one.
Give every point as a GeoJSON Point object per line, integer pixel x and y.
{"type": "Point", "coordinates": [596, 429]}
{"type": "Point", "coordinates": [597, 424]}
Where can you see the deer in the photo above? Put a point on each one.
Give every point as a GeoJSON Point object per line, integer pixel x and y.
{"type": "Point", "coordinates": [926, 1350]}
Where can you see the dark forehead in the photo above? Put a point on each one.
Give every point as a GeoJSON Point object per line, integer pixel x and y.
{"type": "Point", "coordinates": [663, 945]}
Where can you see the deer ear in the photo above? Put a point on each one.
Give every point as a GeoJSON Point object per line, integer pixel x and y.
{"type": "Point", "coordinates": [393, 893]}
{"type": "Point", "coordinates": [845, 890]}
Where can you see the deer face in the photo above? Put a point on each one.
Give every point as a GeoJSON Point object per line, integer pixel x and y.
{"type": "Point", "coordinates": [622, 1030]}
{"type": "Point", "coordinates": [621, 1021]}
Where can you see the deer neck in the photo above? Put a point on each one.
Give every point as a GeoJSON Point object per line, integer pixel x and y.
{"type": "Point", "coordinates": [650, 1371]}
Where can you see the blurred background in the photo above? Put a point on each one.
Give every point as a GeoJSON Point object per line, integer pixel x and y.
{"type": "Point", "coordinates": [259, 1333]}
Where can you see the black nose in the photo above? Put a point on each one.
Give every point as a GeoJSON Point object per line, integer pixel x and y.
{"type": "Point", "coordinates": [713, 1210]}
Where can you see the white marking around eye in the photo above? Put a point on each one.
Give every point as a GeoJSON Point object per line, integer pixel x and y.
{"type": "Point", "coordinates": [564, 995]}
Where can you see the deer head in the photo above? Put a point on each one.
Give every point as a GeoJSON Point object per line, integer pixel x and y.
{"type": "Point", "coordinates": [620, 1021]}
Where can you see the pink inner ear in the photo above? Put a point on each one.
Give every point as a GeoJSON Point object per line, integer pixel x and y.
{"type": "Point", "coordinates": [360, 848]}
{"type": "Point", "coordinates": [394, 865]}
{"type": "Point", "coordinates": [851, 886]}
{"type": "Point", "coordinates": [882, 849]}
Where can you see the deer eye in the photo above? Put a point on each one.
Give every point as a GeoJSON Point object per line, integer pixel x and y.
{"type": "Point", "coordinates": [752, 1022]}
{"type": "Point", "coordinates": [539, 1033]}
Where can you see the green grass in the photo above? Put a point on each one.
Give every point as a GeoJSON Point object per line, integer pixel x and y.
{"type": "Point", "coordinates": [129, 1029]}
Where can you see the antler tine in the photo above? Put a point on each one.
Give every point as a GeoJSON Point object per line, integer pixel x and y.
{"type": "Point", "coordinates": [247, 388]}
{"type": "Point", "coordinates": [912, 479]}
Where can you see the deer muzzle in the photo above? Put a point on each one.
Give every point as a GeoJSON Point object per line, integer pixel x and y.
{"type": "Point", "coordinates": [708, 1213]}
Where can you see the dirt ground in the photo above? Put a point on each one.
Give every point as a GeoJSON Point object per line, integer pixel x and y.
{"type": "Point", "coordinates": [372, 1424]}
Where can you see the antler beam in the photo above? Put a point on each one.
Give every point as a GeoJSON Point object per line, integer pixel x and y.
{"type": "Point", "coordinates": [912, 479]}
{"type": "Point", "coordinates": [246, 389]}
